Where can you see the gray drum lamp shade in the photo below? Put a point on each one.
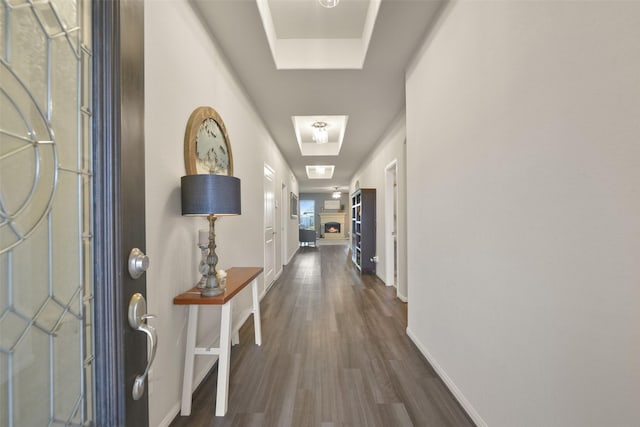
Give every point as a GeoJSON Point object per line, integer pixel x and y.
{"type": "Point", "coordinates": [210, 194]}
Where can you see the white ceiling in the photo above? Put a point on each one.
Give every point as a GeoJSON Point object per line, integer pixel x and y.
{"type": "Point", "coordinates": [372, 97]}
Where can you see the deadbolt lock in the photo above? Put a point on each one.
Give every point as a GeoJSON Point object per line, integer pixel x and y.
{"type": "Point", "coordinates": [138, 263]}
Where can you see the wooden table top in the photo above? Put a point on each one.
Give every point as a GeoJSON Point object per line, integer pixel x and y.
{"type": "Point", "coordinates": [237, 279]}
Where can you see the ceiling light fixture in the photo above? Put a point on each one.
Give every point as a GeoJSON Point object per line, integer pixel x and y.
{"type": "Point", "coordinates": [329, 3]}
{"type": "Point", "coordinates": [320, 134]}
{"type": "Point", "coordinates": [336, 194]}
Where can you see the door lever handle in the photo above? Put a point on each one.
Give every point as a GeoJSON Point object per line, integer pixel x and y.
{"type": "Point", "coordinates": [138, 384]}
{"type": "Point", "coordinates": [138, 320]}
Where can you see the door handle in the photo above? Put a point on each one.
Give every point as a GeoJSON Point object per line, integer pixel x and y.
{"type": "Point", "coordinates": [138, 320]}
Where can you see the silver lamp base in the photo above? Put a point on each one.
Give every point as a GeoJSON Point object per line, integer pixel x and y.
{"type": "Point", "coordinates": [212, 292]}
{"type": "Point", "coordinates": [203, 268]}
{"type": "Point", "coordinates": [212, 287]}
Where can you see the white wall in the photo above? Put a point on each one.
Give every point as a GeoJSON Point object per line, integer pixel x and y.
{"type": "Point", "coordinates": [292, 237]}
{"type": "Point", "coordinates": [372, 175]}
{"type": "Point", "coordinates": [184, 70]}
{"type": "Point", "coordinates": [523, 125]}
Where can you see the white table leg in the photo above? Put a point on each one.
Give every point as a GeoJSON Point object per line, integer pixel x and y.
{"type": "Point", "coordinates": [189, 356]}
{"type": "Point", "coordinates": [256, 312]}
{"type": "Point", "coordinates": [223, 361]}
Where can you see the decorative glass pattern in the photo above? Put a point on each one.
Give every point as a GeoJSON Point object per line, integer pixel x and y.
{"type": "Point", "coordinates": [46, 239]}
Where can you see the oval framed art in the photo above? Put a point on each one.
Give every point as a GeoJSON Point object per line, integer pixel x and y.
{"type": "Point", "coordinates": [207, 149]}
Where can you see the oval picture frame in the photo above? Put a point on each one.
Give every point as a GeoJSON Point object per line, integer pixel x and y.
{"type": "Point", "coordinates": [207, 149]}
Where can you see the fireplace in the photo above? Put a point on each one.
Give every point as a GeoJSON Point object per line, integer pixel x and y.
{"type": "Point", "coordinates": [332, 227]}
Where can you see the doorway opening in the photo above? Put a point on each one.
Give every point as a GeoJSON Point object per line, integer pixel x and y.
{"type": "Point", "coordinates": [307, 215]}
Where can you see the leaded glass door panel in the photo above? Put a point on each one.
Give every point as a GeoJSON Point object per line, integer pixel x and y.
{"type": "Point", "coordinates": [46, 286]}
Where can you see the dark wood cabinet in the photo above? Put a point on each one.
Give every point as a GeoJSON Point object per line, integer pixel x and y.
{"type": "Point", "coordinates": [363, 229]}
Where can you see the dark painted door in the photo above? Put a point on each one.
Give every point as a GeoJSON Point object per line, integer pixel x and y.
{"type": "Point", "coordinates": [121, 350]}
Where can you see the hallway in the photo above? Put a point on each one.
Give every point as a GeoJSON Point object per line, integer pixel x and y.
{"type": "Point", "coordinates": [334, 353]}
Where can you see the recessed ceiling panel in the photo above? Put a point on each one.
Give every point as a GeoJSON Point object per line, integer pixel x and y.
{"type": "Point", "coordinates": [303, 35]}
{"type": "Point", "coordinates": [320, 171]}
{"type": "Point", "coordinates": [296, 19]}
{"type": "Point", "coordinates": [303, 128]}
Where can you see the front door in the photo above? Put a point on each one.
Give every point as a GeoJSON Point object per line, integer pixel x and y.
{"type": "Point", "coordinates": [119, 197]}
{"type": "Point", "coordinates": [71, 208]}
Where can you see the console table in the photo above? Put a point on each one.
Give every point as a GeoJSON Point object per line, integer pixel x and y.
{"type": "Point", "coordinates": [237, 279]}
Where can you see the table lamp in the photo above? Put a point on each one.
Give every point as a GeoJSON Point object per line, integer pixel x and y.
{"type": "Point", "coordinates": [211, 196]}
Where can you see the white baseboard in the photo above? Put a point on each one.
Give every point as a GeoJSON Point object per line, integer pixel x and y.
{"type": "Point", "coordinates": [402, 298]}
{"type": "Point", "coordinates": [171, 415]}
{"type": "Point", "coordinates": [267, 289]}
{"type": "Point", "coordinates": [201, 375]}
{"type": "Point", "coordinates": [243, 318]}
{"type": "Point", "coordinates": [466, 405]}
{"type": "Point", "coordinates": [293, 254]}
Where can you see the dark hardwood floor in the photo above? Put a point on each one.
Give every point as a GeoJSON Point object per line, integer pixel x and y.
{"type": "Point", "coordinates": [334, 353]}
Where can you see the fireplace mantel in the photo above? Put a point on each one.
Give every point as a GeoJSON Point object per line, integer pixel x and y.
{"type": "Point", "coordinates": [338, 217]}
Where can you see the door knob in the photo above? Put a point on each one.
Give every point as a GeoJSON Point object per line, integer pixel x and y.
{"type": "Point", "coordinates": [138, 263]}
{"type": "Point", "coordinates": [138, 320]}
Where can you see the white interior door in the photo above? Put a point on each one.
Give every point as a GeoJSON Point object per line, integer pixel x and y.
{"type": "Point", "coordinates": [391, 224]}
{"type": "Point", "coordinates": [284, 214]}
{"type": "Point", "coordinates": [269, 226]}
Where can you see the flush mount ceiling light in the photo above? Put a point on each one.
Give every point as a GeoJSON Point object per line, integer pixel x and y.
{"type": "Point", "coordinates": [320, 134]}
{"type": "Point", "coordinates": [329, 3]}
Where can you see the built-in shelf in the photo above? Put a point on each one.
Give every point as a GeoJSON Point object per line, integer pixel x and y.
{"type": "Point", "coordinates": [363, 226]}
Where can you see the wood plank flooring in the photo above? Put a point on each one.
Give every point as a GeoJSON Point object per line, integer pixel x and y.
{"type": "Point", "coordinates": [334, 353]}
